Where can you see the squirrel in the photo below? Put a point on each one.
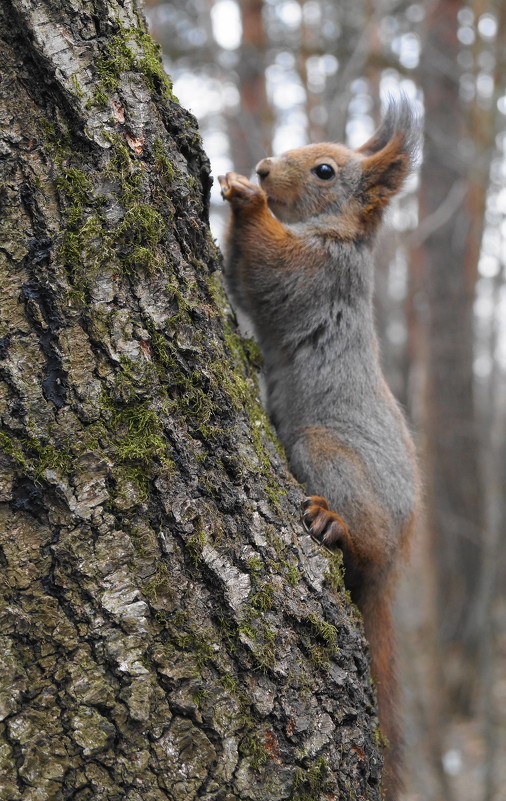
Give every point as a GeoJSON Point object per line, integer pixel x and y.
{"type": "Point", "coordinates": [299, 263]}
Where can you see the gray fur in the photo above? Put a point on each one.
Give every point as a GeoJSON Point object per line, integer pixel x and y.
{"type": "Point", "coordinates": [322, 369]}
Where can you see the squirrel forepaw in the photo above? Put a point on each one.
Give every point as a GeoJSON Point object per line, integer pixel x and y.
{"type": "Point", "coordinates": [240, 191]}
{"type": "Point", "coordinates": [323, 524]}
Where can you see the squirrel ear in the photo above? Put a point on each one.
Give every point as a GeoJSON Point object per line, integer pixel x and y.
{"type": "Point", "coordinates": [387, 168]}
{"type": "Point", "coordinates": [391, 153]}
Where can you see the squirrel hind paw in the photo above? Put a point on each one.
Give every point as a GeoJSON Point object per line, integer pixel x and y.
{"type": "Point", "coordinates": [323, 524]}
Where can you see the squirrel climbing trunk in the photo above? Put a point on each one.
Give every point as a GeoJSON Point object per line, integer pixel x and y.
{"type": "Point", "coordinates": [300, 264]}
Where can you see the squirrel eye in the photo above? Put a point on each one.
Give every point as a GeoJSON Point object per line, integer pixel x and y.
{"type": "Point", "coordinates": [324, 171]}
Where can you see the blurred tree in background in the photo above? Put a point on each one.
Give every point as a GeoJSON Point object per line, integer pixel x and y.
{"type": "Point", "coordinates": [265, 76]}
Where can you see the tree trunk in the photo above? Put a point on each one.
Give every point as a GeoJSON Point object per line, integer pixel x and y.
{"type": "Point", "coordinates": [450, 266]}
{"type": "Point", "coordinates": [167, 634]}
{"type": "Point", "coordinates": [250, 123]}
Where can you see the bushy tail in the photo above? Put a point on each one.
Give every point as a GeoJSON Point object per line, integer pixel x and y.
{"type": "Point", "coordinates": [380, 635]}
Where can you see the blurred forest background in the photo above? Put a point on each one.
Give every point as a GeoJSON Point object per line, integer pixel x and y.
{"type": "Point", "coordinates": [263, 76]}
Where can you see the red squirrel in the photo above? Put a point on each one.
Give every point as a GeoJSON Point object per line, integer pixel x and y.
{"type": "Point", "coordinates": [299, 262]}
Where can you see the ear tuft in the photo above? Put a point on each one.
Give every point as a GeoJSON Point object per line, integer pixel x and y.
{"type": "Point", "coordinates": [387, 159]}
{"type": "Point", "coordinates": [402, 120]}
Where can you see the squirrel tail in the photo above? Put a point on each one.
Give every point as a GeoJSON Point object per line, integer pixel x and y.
{"type": "Point", "coordinates": [379, 632]}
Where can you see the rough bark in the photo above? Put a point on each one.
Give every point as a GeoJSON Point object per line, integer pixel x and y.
{"type": "Point", "coordinates": [167, 632]}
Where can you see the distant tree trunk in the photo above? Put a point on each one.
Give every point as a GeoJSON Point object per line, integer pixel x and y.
{"type": "Point", "coordinates": [250, 128]}
{"type": "Point", "coordinates": [450, 257]}
{"type": "Point", "coordinates": [166, 633]}
{"type": "Point", "coordinates": [493, 427]}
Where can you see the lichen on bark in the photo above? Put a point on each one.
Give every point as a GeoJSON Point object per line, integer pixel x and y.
{"type": "Point", "coordinates": [168, 632]}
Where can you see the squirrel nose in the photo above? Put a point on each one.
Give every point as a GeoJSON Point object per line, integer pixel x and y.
{"type": "Point", "coordinates": [263, 168]}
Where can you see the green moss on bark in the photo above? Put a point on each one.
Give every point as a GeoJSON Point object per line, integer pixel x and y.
{"type": "Point", "coordinates": [131, 50]}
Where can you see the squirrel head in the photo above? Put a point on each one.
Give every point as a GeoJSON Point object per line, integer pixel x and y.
{"type": "Point", "coordinates": [333, 181]}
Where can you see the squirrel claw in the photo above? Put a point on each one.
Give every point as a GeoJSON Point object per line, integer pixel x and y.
{"type": "Point", "coordinates": [305, 518]}
{"type": "Point", "coordinates": [306, 525]}
{"type": "Point", "coordinates": [222, 180]}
